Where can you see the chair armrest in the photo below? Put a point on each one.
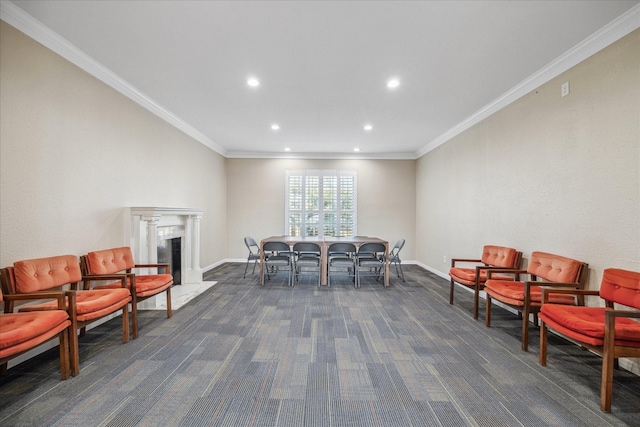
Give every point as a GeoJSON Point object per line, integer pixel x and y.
{"type": "Point", "coordinates": [560, 288]}
{"type": "Point", "coordinates": [117, 276]}
{"type": "Point", "coordinates": [504, 270]}
{"type": "Point", "coordinates": [454, 260]}
{"type": "Point", "coordinates": [610, 316]}
{"type": "Point", "coordinates": [31, 296]}
{"type": "Point", "coordinates": [122, 277]}
{"type": "Point", "coordinates": [165, 266]}
{"type": "Point", "coordinates": [622, 313]}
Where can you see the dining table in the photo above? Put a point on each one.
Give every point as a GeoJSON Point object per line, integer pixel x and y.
{"type": "Point", "coordinates": [324, 243]}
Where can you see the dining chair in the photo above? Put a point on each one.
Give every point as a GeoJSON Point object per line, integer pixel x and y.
{"type": "Point", "coordinates": [306, 256]}
{"type": "Point", "coordinates": [254, 254]}
{"type": "Point", "coordinates": [341, 260]}
{"type": "Point", "coordinates": [277, 257]}
{"type": "Point", "coordinates": [368, 262]}
{"type": "Point", "coordinates": [394, 258]}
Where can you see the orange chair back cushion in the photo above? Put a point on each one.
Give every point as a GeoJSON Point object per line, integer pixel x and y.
{"type": "Point", "coordinates": [46, 273]}
{"type": "Point", "coordinates": [498, 256]}
{"type": "Point", "coordinates": [41, 274]}
{"type": "Point", "coordinates": [554, 268]}
{"type": "Point", "coordinates": [621, 286]}
{"type": "Point", "coordinates": [110, 261]}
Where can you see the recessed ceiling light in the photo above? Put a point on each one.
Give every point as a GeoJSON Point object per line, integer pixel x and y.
{"type": "Point", "coordinates": [253, 82]}
{"type": "Point", "coordinates": [393, 83]}
{"type": "Point", "coordinates": [275, 126]}
{"type": "Point", "coordinates": [356, 149]}
{"type": "Point", "coordinates": [367, 127]}
{"type": "Point", "coordinates": [287, 149]}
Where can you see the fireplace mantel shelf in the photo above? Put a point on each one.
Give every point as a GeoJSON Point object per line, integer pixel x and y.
{"type": "Point", "coordinates": [165, 211]}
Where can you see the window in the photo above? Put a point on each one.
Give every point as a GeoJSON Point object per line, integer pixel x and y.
{"type": "Point", "coordinates": [321, 203]}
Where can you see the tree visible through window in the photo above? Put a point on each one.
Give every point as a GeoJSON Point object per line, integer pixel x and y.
{"type": "Point", "coordinates": [321, 203]}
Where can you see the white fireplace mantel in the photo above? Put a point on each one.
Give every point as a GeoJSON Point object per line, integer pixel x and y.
{"type": "Point", "coordinates": [141, 228]}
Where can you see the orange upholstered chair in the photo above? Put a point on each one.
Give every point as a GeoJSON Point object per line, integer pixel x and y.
{"type": "Point", "coordinates": [84, 306]}
{"type": "Point", "coordinates": [495, 257]}
{"type": "Point", "coordinates": [20, 332]}
{"type": "Point", "coordinates": [110, 264]}
{"type": "Point", "coordinates": [606, 331]}
{"type": "Point", "coordinates": [524, 297]}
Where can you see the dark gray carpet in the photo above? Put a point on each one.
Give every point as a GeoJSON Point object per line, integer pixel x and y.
{"type": "Point", "coordinates": [245, 355]}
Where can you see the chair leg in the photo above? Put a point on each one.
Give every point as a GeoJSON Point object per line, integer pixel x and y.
{"type": "Point", "coordinates": [169, 313]}
{"type": "Point", "coordinates": [401, 272]}
{"type": "Point", "coordinates": [607, 384]}
{"type": "Point", "coordinates": [608, 360]}
{"type": "Point", "coordinates": [245, 269]}
{"type": "Point", "coordinates": [487, 316]}
{"type": "Point", "coordinates": [134, 316]}
{"type": "Point", "coordinates": [254, 266]}
{"type": "Point", "coordinates": [451, 292]}
{"type": "Point", "coordinates": [74, 353]}
{"type": "Point", "coordinates": [476, 302]}
{"type": "Point", "coordinates": [525, 328]}
{"type": "Point", "coordinates": [125, 323]}
{"type": "Point", "coordinates": [64, 354]}
{"type": "Point", "coordinates": [543, 344]}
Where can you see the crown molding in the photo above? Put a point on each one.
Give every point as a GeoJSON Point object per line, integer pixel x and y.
{"type": "Point", "coordinates": [612, 32]}
{"type": "Point", "coordinates": [18, 18]}
{"type": "Point", "coordinates": [320, 156]}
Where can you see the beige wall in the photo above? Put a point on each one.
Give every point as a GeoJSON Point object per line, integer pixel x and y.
{"type": "Point", "coordinates": [256, 196]}
{"type": "Point", "coordinates": [74, 152]}
{"type": "Point", "coordinates": [546, 173]}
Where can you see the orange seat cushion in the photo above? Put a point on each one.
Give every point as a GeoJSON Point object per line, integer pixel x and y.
{"type": "Point", "coordinates": [586, 324]}
{"type": "Point", "coordinates": [467, 276]}
{"type": "Point", "coordinates": [145, 285]}
{"type": "Point", "coordinates": [21, 331]}
{"type": "Point", "coordinates": [91, 304]}
{"type": "Point", "coordinates": [513, 293]}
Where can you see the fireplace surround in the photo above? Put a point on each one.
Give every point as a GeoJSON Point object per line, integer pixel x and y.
{"type": "Point", "coordinates": [145, 226]}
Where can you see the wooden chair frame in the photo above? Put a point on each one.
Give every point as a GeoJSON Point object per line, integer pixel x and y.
{"type": "Point", "coordinates": [527, 308]}
{"type": "Point", "coordinates": [610, 352]}
{"type": "Point", "coordinates": [479, 285]}
{"type": "Point", "coordinates": [63, 336]}
{"type": "Point", "coordinates": [128, 277]}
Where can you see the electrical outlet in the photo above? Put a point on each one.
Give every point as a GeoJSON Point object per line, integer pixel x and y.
{"type": "Point", "coordinates": [444, 259]}
{"type": "Point", "coordinates": [564, 89]}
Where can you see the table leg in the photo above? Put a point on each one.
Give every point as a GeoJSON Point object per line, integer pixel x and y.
{"type": "Point", "coordinates": [324, 256]}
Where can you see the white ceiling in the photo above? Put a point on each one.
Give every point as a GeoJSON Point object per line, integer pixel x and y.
{"type": "Point", "coordinates": [322, 65]}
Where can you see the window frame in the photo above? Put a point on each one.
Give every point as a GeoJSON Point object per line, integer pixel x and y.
{"type": "Point", "coordinates": [304, 211]}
